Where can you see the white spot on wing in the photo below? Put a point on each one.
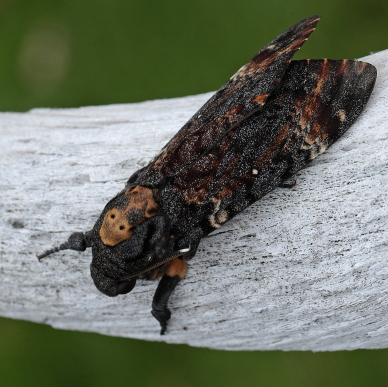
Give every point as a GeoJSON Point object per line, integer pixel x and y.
{"type": "Point", "coordinates": [341, 114]}
{"type": "Point", "coordinates": [222, 216]}
{"type": "Point", "coordinates": [212, 217]}
{"type": "Point", "coordinates": [239, 72]}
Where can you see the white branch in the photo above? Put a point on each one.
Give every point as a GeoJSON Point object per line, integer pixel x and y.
{"type": "Point", "coordinates": [302, 269]}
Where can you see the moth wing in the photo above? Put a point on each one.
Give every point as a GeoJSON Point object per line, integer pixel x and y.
{"type": "Point", "coordinates": [245, 93]}
{"type": "Point", "coordinates": [316, 102]}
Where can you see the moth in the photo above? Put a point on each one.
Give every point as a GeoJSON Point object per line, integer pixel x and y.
{"type": "Point", "coordinates": [270, 119]}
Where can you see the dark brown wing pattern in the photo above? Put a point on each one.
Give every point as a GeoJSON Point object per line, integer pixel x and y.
{"type": "Point", "coordinates": [244, 94]}
{"type": "Point", "coordinates": [316, 102]}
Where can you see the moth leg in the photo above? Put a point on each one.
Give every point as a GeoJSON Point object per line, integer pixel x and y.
{"type": "Point", "coordinates": [288, 184]}
{"type": "Point", "coordinates": [175, 272]}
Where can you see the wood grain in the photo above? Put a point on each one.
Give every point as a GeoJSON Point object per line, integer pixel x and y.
{"type": "Point", "coordinates": [302, 269]}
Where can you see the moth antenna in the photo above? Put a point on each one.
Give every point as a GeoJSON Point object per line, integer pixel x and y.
{"type": "Point", "coordinates": [76, 241]}
{"type": "Point", "coordinates": [63, 246]}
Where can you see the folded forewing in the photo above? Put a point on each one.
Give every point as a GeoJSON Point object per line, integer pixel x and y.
{"type": "Point", "coordinates": [316, 102]}
{"type": "Point", "coordinates": [245, 93]}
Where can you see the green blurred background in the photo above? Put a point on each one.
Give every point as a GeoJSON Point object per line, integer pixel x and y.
{"type": "Point", "coordinates": [69, 53]}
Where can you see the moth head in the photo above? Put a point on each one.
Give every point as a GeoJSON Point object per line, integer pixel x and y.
{"type": "Point", "coordinates": [121, 241]}
{"type": "Point", "coordinates": [113, 268]}
{"type": "Point", "coordinates": [107, 275]}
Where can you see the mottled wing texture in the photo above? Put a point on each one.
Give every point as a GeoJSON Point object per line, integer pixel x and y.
{"type": "Point", "coordinates": [316, 102]}
{"type": "Point", "coordinates": [245, 93]}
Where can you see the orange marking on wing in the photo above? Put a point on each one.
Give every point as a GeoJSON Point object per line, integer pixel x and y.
{"type": "Point", "coordinates": [236, 110]}
{"type": "Point", "coordinates": [224, 193]}
{"type": "Point", "coordinates": [362, 67]}
{"type": "Point", "coordinates": [323, 74]}
{"type": "Point", "coordinates": [313, 103]}
{"type": "Point", "coordinates": [314, 133]}
{"type": "Point", "coordinates": [308, 31]}
{"type": "Point", "coordinates": [324, 136]}
{"type": "Point", "coordinates": [195, 196]}
{"type": "Point", "coordinates": [342, 68]}
{"type": "Point", "coordinates": [260, 62]}
{"type": "Point", "coordinates": [313, 21]}
{"type": "Point", "coordinates": [309, 110]}
{"type": "Point", "coordinates": [260, 99]}
{"type": "Point", "coordinates": [292, 47]}
{"type": "Point", "coordinates": [256, 64]}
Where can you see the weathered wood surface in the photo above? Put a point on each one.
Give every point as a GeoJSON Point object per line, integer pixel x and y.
{"type": "Point", "coordinates": [303, 269]}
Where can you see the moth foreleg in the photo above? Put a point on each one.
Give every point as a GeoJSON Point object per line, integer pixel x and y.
{"type": "Point", "coordinates": [175, 272]}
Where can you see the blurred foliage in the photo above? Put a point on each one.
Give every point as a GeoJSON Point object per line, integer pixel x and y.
{"type": "Point", "coordinates": [37, 355]}
{"type": "Point", "coordinates": [69, 53]}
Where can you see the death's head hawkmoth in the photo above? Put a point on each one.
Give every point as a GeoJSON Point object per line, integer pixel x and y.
{"type": "Point", "coordinates": [270, 119]}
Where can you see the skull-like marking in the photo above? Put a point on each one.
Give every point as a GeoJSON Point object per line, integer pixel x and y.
{"type": "Point", "coordinates": [119, 222]}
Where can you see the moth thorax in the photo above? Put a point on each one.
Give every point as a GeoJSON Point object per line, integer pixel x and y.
{"type": "Point", "coordinates": [119, 222]}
